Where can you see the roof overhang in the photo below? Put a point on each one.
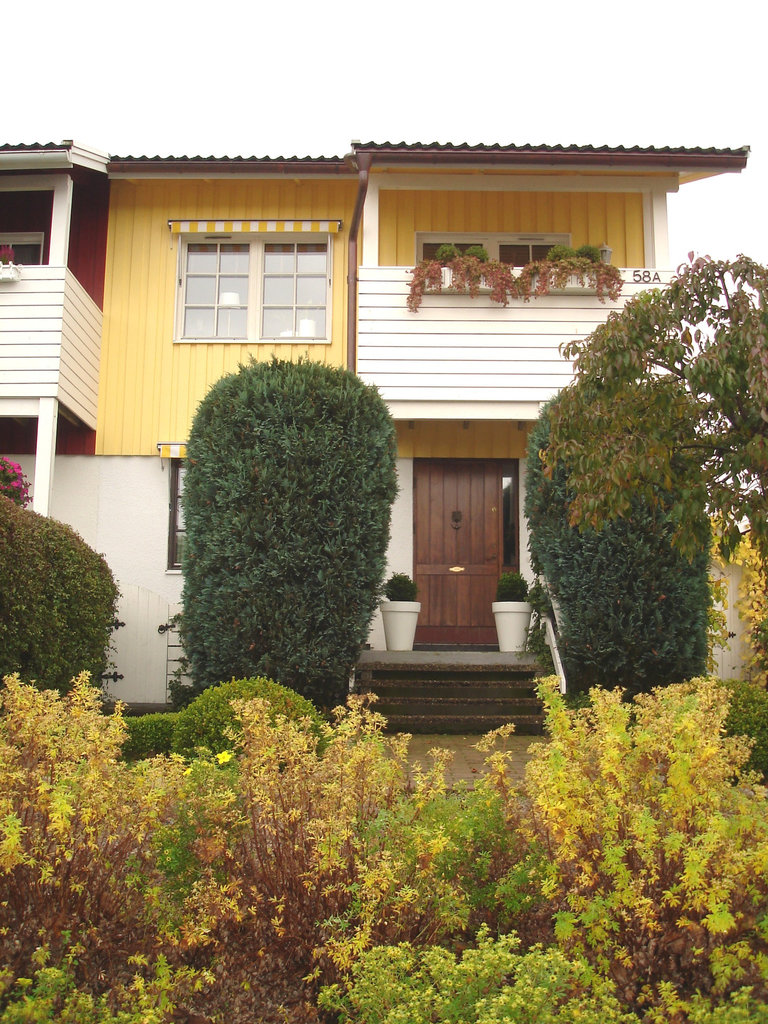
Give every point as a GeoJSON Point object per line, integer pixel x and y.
{"type": "Point", "coordinates": [51, 156]}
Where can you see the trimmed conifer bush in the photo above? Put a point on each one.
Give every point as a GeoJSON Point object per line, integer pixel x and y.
{"type": "Point", "coordinates": [58, 601]}
{"type": "Point", "coordinates": [633, 610]}
{"type": "Point", "coordinates": [287, 499]}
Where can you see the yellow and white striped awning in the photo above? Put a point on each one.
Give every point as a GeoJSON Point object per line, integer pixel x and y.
{"type": "Point", "coordinates": [231, 227]}
{"type": "Point", "coordinates": [171, 450]}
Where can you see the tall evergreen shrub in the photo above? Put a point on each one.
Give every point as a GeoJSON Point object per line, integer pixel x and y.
{"type": "Point", "coordinates": [634, 611]}
{"type": "Point", "coordinates": [58, 600]}
{"type": "Point", "coordinates": [287, 499]}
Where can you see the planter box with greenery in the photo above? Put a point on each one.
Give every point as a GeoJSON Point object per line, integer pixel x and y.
{"type": "Point", "coordinates": [512, 612]}
{"type": "Point", "coordinates": [471, 273]}
{"type": "Point", "coordinates": [400, 612]}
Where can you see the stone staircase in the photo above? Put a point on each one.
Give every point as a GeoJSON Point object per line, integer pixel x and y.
{"type": "Point", "coordinates": [452, 691]}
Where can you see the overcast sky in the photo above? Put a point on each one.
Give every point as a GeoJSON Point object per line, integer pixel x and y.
{"type": "Point", "coordinates": [297, 78]}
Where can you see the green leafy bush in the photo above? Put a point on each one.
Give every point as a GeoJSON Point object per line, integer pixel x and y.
{"type": "Point", "coordinates": [560, 252]}
{"type": "Point", "coordinates": [57, 600]}
{"type": "Point", "coordinates": [748, 716]}
{"type": "Point", "coordinates": [148, 735]}
{"type": "Point", "coordinates": [491, 984]}
{"type": "Point", "coordinates": [658, 843]}
{"type": "Point", "coordinates": [210, 720]}
{"type": "Point", "coordinates": [589, 252]}
{"type": "Point", "coordinates": [287, 498]}
{"type": "Point", "coordinates": [633, 611]}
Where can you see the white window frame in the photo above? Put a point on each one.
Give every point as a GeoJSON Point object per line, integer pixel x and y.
{"type": "Point", "coordinates": [255, 305]}
{"type": "Point", "coordinates": [490, 240]}
{"type": "Point", "coordinates": [14, 238]}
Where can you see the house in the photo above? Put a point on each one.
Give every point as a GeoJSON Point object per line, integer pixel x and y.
{"type": "Point", "coordinates": [209, 261]}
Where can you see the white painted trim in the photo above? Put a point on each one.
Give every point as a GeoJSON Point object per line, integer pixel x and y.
{"type": "Point", "coordinates": [61, 158]}
{"type": "Point", "coordinates": [415, 409]}
{"type": "Point", "coordinates": [522, 182]}
{"type": "Point", "coordinates": [660, 229]}
{"type": "Point", "coordinates": [28, 183]}
{"type": "Point", "coordinates": [370, 247]}
{"type": "Point", "coordinates": [60, 220]}
{"type": "Point", "coordinates": [45, 451]}
{"type": "Point", "coordinates": [21, 407]}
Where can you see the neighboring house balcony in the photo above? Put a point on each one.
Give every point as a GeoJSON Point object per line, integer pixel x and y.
{"type": "Point", "coordinates": [50, 342]}
{"type": "Point", "coordinates": [457, 351]}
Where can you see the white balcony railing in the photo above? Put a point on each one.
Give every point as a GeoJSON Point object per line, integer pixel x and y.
{"type": "Point", "coordinates": [50, 340]}
{"type": "Point", "coordinates": [456, 348]}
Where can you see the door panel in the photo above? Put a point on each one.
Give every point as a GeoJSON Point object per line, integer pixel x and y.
{"type": "Point", "coordinates": [457, 548]}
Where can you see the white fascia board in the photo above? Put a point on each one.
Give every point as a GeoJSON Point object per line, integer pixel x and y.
{"type": "Point", "coordinates": [60, 159]}
{"type": "Point", "coordinates": [413, 409]}
{"type": "Point", "coordinates": [21, 407]}
{"type": "Point", "coordinates": [473, 182]}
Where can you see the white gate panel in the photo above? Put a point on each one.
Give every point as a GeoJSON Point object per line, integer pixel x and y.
{"type": "Point", "coordinates": [141, 649]}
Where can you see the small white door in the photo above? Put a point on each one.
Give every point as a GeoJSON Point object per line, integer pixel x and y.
{"type": "Point", "coordinates": [140, 648]}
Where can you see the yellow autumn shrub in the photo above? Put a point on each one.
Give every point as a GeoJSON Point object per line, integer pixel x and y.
{"type": "Point", "coordinates": [657, 841]}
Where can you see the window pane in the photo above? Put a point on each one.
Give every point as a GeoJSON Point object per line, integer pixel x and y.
{"type": "Point", "coordinates": [279, 259]}
{"type": "Point", "coordinates": [201, 291]}
{"type": "Point", "coordinates": [516, 255]}
{"type": "Point", "coordinates": [201, 259]}
{"type": "Point", "coordinates": [311, 258]}
{"type": "Point", "coordinates": [311, 290]}
{"type": "Point", "coordinates": [234, 259]}
{"type": "Point", "coordinates": [278, 291]}
{"type": "Point", "coordinates": [278, 323]}
{"type": "Point", "coordinates": [232, 323]}
{"type": "Point", "coordinates": [233, 291]}
{"type": "Point", "coordinates": [198, 323]}
{"type": "Point", "coordinates": [311, 323]}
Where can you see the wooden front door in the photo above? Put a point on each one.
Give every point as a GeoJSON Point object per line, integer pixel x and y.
{"type": "Point", "coordinates": [461, 544]}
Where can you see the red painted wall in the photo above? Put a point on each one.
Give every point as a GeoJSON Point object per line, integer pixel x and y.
{"type": "Point", "coordinates": [88, 233]}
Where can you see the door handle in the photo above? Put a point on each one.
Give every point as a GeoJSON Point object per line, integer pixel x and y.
{"type": "Point", "coordinates": [456, 568]}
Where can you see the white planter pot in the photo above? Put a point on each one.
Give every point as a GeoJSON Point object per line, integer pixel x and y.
{"type": "Point", "coordinates": [400, 623]}
{"type": "Point", "coordinates": [9, 272]}
{"type": "Point", "coordinates": [512, 621]}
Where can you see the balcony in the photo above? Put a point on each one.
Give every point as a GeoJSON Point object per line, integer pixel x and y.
{"type": "Point", "coordinates": [50, 340]}
{"type": "Point", "coordinates": [458, 349]}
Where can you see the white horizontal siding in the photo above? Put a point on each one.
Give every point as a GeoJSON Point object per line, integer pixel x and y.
{"type": "Point", "coordinates": [50, 340]}
{"type": "Point", "coordinates": [460, 349]}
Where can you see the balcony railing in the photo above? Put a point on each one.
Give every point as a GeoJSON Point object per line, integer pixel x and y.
{"type": "Point", "coordinates": [50, 340]}
{"type": "Point", "coordinates": [456, 348]}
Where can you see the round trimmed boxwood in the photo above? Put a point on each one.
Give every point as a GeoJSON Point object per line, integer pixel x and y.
{"type": "Point", "coordinates": [633, 610]}
{"type": "Point", "coordinates": [207, 721]}
{"type": "Point", "coordinates": [58, 601]}
{"type": "Point", "coordinates": [287, 498]}
{"type": "Point", "coordinates": [748, 716]}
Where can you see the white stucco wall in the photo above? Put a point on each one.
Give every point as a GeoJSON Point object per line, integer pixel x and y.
{"type": "Point", "coordinates": [118, 505]}
{"type": "Point", "coordinates": [400, 552]}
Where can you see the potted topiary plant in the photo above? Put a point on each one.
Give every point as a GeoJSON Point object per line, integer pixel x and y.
{"type": "Point", "coordinates": [512, 612]}
{"type": "Point", "coordinates": [400, 612]}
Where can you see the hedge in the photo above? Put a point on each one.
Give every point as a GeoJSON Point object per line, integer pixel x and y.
{"type": "Point", "coordinates": [287, 498]}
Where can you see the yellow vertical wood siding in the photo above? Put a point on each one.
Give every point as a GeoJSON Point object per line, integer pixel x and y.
{"type": "Point", "coordinates": [149, 385]}
{"type": "Point", "coordinates": [450, 439]}
{"type": "Point", "coordinates": [589, 217]}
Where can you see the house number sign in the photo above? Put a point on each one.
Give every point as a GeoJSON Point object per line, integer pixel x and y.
{"type": "Point", "coordinates": [645, 277]}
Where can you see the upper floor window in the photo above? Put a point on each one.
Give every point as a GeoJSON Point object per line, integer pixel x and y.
{"type": "Point", "coordinates": [255, 290]}
{"type": "Point", "coordinates": [516, 250]}
{"type": "Point", "coordinates": [27, 246]}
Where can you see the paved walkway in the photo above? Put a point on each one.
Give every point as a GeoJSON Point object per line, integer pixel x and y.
{"type": "Point", "coordinates": [467, 763]}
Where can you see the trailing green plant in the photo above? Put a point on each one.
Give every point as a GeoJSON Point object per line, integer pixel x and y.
{"type": "Point", "coordinates": [633, 611]}
{"type": "Point", "coordinates": [657, 839]}
{"type": "Point", "coordinates": [512, 586]}
{"type": "Point", "coordinates": [541, 276]}
{"type": "Point", "coordinates": [75, 836]}
{"type": "Point", "coordinates": [492, 983]}
{"type": "Point", "coordinates": [148, 735]}
{"type": "Point", "coordinates": [58, 600]}
{"type": "Point", "coordinates": [589, 252]}
{"type": "Point", "coordinates": [400, 587]}
{"type": "Point", "coordinates": [560, 252]}
{"type": "Point", "coordinates": [287, 499]}
{"type": "Point", "coordinates": [479, 252]}
{"type": "Point", "coordinates": [211, 721]}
